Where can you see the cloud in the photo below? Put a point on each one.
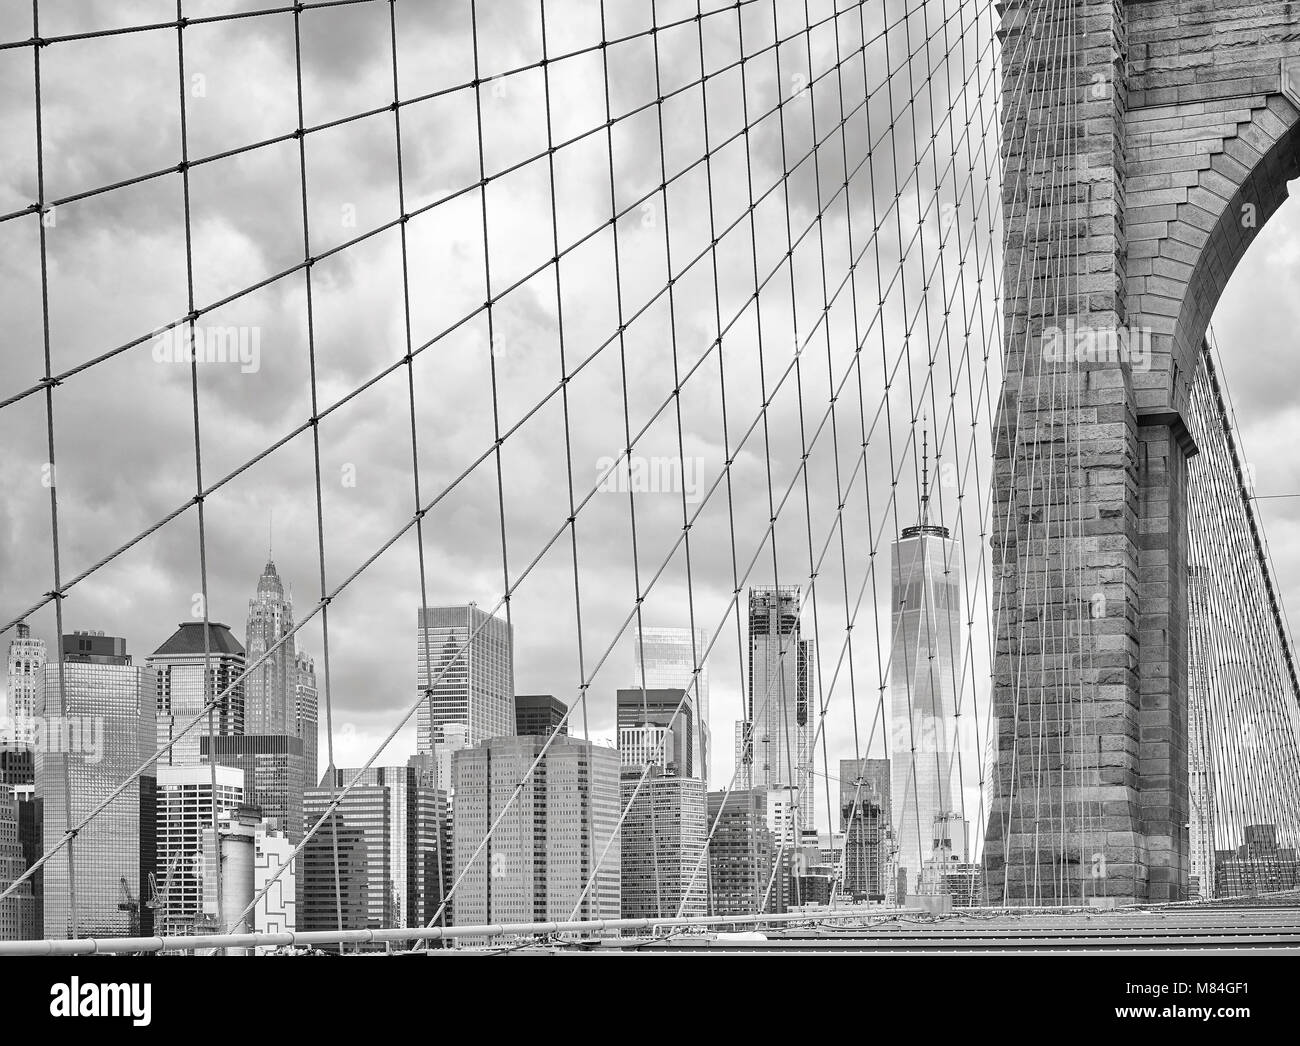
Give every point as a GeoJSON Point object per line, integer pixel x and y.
{"type": "Point", "coordinates": [124, 429]}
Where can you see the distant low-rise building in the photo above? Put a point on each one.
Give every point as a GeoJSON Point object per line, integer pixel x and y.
{"type": "Point", "coordinates": [540, 715]}
{"type": "Point", "coordinates": [17, 911]}
{"type": "Point", "coordinates": [1258, 865]}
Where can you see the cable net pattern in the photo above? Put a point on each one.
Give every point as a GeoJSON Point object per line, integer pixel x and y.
{"type": "Point", "coordinates": [605, 317]}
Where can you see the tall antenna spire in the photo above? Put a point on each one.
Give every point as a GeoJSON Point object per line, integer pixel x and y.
{"type": "Point", "coordinates": [270, 526]}
{"type": "Point", "coordinates": [925, 473]}
{"type": "Point", "coordinates": [923, 526]}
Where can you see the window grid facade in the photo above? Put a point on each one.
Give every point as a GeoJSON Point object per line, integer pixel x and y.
{"type": "Point", "coordinates": [17, 912]}
{"type": "Point", "coordinates": [398, 817]}
{"type": "Point", "coordinates": [780, 678]}
{"type": "Point", "coordinates": [306, 716]}
{"type": "Point", "coordinates": [270, 689]}
{"type": "Point", "coordinates": [114, 853]}
{"type": "Point", "coordinates": [26, 659]}
{"type": "Point", "coordinates": [664, 659]}
{"type": "Point", "coordinates": [926, 594]}
{"type": "Point", "coordinates": [274, 776]}
{"type": "Point", "coordinates": [662, 840]}
{"type": "Point", "coordinates": [553, 832]}
{"type": "Point", "coordinates": [477, 687]}
{"type": "Point", "coordinates": [184, 814]}
{"type": "Point", "coordinates": [741, 854]}
{"type": "Point", "coordinates": [180, 665]}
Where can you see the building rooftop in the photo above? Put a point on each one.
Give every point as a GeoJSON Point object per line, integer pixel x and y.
{"type": "Point", "coordinates": [188, 639]}
{"type": "Point", "coordinates": [926, 528]}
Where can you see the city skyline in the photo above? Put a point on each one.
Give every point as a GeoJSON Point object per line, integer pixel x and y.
{"type": "Point", "coordinates": [185, 646]}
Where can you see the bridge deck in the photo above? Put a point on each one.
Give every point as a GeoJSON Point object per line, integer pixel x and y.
{"type": "Point", "coordinates": [1256, 926]}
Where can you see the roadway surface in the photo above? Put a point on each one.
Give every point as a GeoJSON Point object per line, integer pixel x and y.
{"type": "Point", "coordinates": [1254, 927]}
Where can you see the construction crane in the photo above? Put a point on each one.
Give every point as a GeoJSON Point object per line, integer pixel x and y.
{"type": "Point", "coordinates": [158, 894]}
{"type": "Point", "coordinates": [127, 903]}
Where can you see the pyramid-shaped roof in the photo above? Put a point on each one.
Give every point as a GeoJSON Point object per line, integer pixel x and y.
{"type": "Point", "coordinates": [188, 639]}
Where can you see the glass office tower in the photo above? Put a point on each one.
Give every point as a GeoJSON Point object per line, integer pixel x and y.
{"type": "Point", "coordinates": [923, 676]}
{"type": "Point", "coordinates": [105, 711]}
{"type": "Point", "coordinates": [464, 659]}
{"type": "Point", "coordinates": [552, 831]}
{"type": "Point", "coordinates": [780, 723]}
{"type": "Point", "coordinates": [667, 658]}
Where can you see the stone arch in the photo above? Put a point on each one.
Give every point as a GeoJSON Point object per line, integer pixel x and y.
{"type": "Point", "coordinates": [1193, 216]}
{"type": "Point", "coordinates": [1264, 189]}
{"type": "Point", "coordinates": [1210, 126]}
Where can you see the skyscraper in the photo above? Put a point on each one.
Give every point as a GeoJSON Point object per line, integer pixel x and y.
{"type": "Point", "coordinates": [106, 707]}
{"type": "Point", "coordinates": [26, 659]}
{"type": "Point", "coordinates": [865, 867]}
{"type": "Point", "coordinates": [185, 812]}
{"type": "Point", "coordinates": [926, 597]}
{"type": "Point", "coordinates": [429, 859]}
{"type": "Point", "coordinates": [465, 669]}
{"type": "Point", "coordinates": [274, 779]}
{"type": "Point", "coordinates": [17, 764]}
{"type": "Point", "coordinates": [334, 884]}
{"type": "Point", "coordinates": [179, 665]}
{"type": "Point", "coordinates": [307, 714]}
{"type": "Point", "coordinates": [662, 844]}
{"type": "Point", "coordinates": [780, 687]}
{"type": "Point", "coordinates": [30, 841]}
{"type": "Point", "coordinates": [18, 911]}
{"type": "Point", "coordinates": [399, 813]}
{"type": "Point", "coordinates": [455, 736]}
{"type": "Point", "coordinates": [270, 689]}
{"type": "Point", "coordinates": [17, 726]}
{"type": "Point", "coordinates": [874, 773]}
{"type": "Point", "coordinates": [553, 833]}
{"type": "Point", "coordinates": [741, 853]}
{"type": "Point", "coordinates": [540, 715]}
{"type": "Point", "coordinates": [636, 708]}
{"type": "Point", "coordinates": [649, 745]}
{"type": "Point", "coordinates": [744, 755]}
{"type": "Point", "coordinates": [865, 819]}
{"type": "Point", "coordinates": [664, 824]}
{"type": "Point", "coordinates": [368, 811]}
{"type": "Point", "coordinates": [664, 659]}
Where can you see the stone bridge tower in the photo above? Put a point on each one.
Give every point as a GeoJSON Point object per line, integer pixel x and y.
{"type": "Point", "coordinates": [1145, 143]}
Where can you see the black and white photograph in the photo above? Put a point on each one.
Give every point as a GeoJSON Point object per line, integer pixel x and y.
{"type": "Point", "coordinates": [617, 479]}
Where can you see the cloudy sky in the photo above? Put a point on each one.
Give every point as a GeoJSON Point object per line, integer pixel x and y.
{"type": "Point", "coordinates": [124, 430]}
